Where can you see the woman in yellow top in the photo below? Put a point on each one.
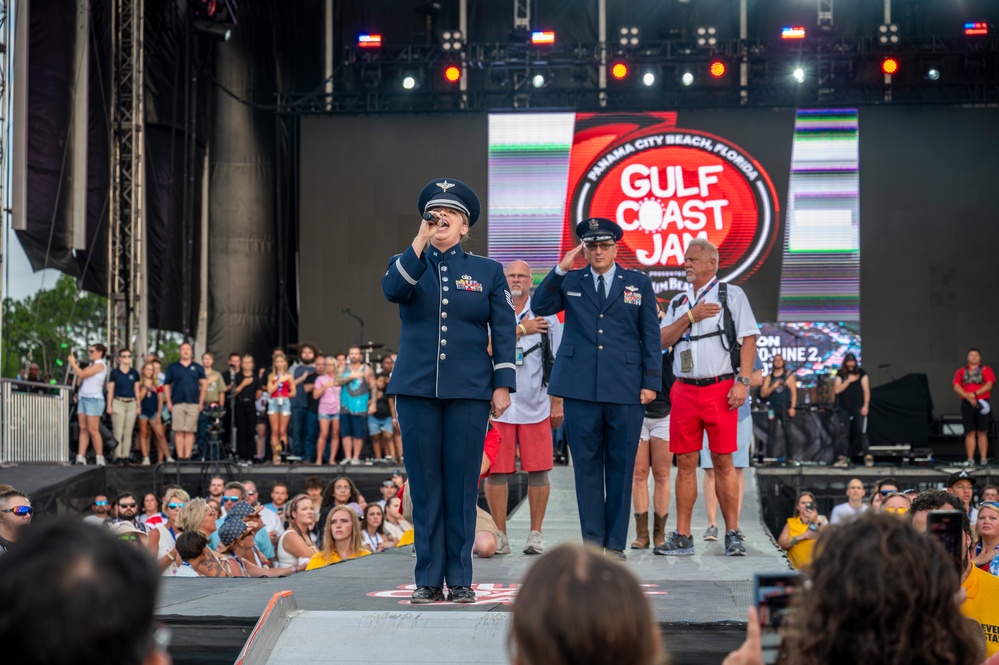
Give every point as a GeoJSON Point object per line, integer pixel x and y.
{"type": "Point", "coordinates": [799, 534]}
{"type": "Point", "coordinates": [341, 540]}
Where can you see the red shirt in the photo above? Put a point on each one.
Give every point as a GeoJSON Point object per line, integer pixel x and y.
{"type": "Point", "coordinates": [988, 376]}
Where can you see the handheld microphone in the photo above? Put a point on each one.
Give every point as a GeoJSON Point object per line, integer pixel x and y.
{"type": "Point", "coordinates": [431, 217]}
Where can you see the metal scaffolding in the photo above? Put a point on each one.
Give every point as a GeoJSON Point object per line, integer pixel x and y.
{"type": "Point", "coordinates": [127, 316]}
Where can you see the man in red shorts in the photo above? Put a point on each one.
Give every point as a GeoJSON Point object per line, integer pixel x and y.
{"type": "Point", "coordinates": [707, 392]}
{"type": "Point", "coordinates": [528, 423]}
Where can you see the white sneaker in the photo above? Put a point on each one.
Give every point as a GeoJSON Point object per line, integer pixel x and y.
{"type": "Point", "coordinates": [502, 543]}
{"type": "Point", "coordinates": [170, 460]}
{"type": "Point", "coordinates": [535, 545]}
{"type": "Point", "coordinates": [145, 461]}
{"type": "Point", "coordinates": [81, 460]}
{"type": "Point", "coordinates": [100, 460]}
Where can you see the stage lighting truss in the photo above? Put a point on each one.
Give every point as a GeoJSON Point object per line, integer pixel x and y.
{"type": "Point", "coordinates": [707, 36]}
{"type": "Point", "coordinates": [888, 34]}
{"type": "Point", "coordinates": [452, 41]}
{"type": "Point", "coordinates": [629, 36]}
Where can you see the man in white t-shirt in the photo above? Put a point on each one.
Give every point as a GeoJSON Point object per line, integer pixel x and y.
{"type": "Point", "coordinates": [854, 506]}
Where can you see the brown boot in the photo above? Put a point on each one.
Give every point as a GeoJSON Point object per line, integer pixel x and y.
{"type": "Point", "coordinates": [276, 449]}
{"type": "Point", "coordinates": [659, 529]}
{"type": "Point", "coordinates": [642, 526]}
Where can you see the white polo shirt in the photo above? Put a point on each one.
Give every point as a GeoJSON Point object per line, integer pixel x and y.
{"type": "Point", "coordinates": [530, 404]}
{"type": "Point", "coordinates": [710, 356]}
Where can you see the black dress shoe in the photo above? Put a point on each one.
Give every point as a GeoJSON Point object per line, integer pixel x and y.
{"type": "Point", "coordinates": [461, 594]}
{"type": "Point", "coordinates": [427, 594]}
{"type": "Point", "coordinates": [615, 554]}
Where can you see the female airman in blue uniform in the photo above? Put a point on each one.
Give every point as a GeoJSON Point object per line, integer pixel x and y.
{"type": "Point", "coordinates": [445, 381]}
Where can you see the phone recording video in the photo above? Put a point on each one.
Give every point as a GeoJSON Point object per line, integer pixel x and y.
{"type": "Point", "coordinates": [947, 526]}
{"type": "Point", "coordinates": [772, 593]}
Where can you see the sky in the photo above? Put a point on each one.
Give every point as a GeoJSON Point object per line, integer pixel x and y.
{"type": "Point", "coordinates": [22, 281]}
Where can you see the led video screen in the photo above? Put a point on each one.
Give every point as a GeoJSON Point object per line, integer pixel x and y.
{"type": "Point", "coordinates": [777, 192]}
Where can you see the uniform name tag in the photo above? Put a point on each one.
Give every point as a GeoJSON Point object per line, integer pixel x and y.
{"type": "Point", "coordinates": [466, 283]}
{"type": "Point", "coordinates": [574, 294]}
{"type": "Point", "coordinates": [686, 361]}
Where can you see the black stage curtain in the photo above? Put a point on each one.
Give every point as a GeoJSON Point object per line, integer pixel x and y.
{"type": "Point", "coordinates": [901, 412]}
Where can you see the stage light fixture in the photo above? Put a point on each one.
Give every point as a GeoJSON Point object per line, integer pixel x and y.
{"type": "Point", "coordinates": [451, 40]}
{"type": "Point", "coordinates": [629, 36]}
{"type": "Point", "coordinates": [933, 74]}
{"type": "Point", "coordinates": [542, 37]}
{"type": "Point", "coordinates": [707, 36]}
{"type": "Point", "coordinates": [649, 79]}
{"type": "Point", "coordinates": [888, 33]}
{"type": "Point", "coordinates": [369, 41]}
{"type": "Point", "coordinates": [452, 73]}
{"type": "Point", "coordinates": [889, 65]}
{"type": "Point", "coordinates": [371, 76]}
{"type": "Point", "coordinates": [538, 80]}
{"type": "Point", "coordinates": [687, 79]}
{"type": "Point", "coordinates": [619, 70]}
{"type": "Point", "coordinates": [717, 69]}
{"type": "Point", "coordinates": [976, 28]}
{"type": "Point", "coordinates": [798, 75]}
{"type": "Point", "coordinates": [213, 29]}
{"type": "Point", "coordinates": [792, 32]}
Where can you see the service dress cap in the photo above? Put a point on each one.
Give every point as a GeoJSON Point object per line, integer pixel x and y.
{"type": "Point", "coordinates": [450, 193]}
{"type": "Point", "coordinates": [598, 229]}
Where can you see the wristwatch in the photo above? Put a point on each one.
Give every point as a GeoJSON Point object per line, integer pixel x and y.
{"type": "Point", "coordinates": [744, 380]}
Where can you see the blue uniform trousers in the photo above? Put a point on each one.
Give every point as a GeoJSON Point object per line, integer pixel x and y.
{"type": "Point", "coordinates": [442, 440]}
{"type": "Point", "coordinates": [603, 440]}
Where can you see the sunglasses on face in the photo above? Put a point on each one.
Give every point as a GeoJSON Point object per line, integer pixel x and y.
{"type": "Point", "coordinates": [175, 506]}
{"type": "Point", "coordinates": [887, 492]}
{"type": "Point", "coordinates": [899, 510]}
{"type": "Point", "coordinates": [100, 503]}
{"type": "Point", "coordinates": [989, 504]}
{"type": "Point", "coordinates": [227, 499]}
{"type": "Point", "coordinates": [20, 511]}
{"type": "Point", "coordinates": [127, 505]}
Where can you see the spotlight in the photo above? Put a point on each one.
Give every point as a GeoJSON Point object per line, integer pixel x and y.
{"type": "Point", "coordinates": [717, 69]}
{"type": "Point", "coordinates": [619, 70]}
{"type": "Point", "coordinates": [687, 78]}
{"type": "Point", "coordinates": [629, 35]}
{"type": "Point", "coordinates": [452, 73]}
{"type": "Point", "coordinates": [369, 41]}
{"type": "Point", "coordinates": [542, 37]}
{"type": "Point", "coordinates": [792, 32]}
{"type": "Point", "coordinates": [408, 82]}
{"type": "Point", "coordinates": [412, 79]}
{"type": "Point", "coordinates": [451, 40]}
{"type": "Point", "coordinates": [888, 33]}
{"type": "Point", "coordinates": [889, 65]}
{"type": "Point", "coordinates": [707, 36]}
{"type": "Point", "coordinates": [538, 81]}
{"type": "Point", "coordinates": [798, 75]}
{"type": "Point", "coordinates": [649, 79]}
{"type": "Point", "coordinates": [212, 29]}
{"type": "Point", "coordinates": [976, 28]}
{"type": "Point", "coordinates": [933, 74]}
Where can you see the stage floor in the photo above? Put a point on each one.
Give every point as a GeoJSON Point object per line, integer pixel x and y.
{"type": "Point", "coordinates": [700, 601]}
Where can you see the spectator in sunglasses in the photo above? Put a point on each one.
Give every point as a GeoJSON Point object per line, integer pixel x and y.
{"type": "Point", "coordinates": [163, 539]}
{"type": "Point", "coordinates": [882, 488]}
{"type": "Point", "coordinates": [128, 511]}
{"type": "Point", "coordinates": [75, 594]}
{"type": "Point", "coordinates": [100, 509]}
{"type": "Point", "coordinates": [272, 522]}
{"type": "Point", "coordinates": [235, 493]}
{"type": "Point", "coordinates": [896, 503]}
{"type": "Point", "coordinates": [15, 515]}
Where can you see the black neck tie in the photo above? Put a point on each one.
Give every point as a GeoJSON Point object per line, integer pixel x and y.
{"type": "Point", "coordinates": [601, 292]}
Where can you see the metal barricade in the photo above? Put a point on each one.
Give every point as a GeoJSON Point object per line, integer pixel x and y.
{"type": "Point", "coordinates": [34, 422]}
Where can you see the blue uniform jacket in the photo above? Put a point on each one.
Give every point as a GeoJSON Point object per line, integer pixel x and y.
{"type": "Point", "coordinates": [448, 302]}
{"type": "Point", "coordinates": [607, 354]}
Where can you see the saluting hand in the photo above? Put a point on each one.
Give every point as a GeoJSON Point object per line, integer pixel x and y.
{"type": "Point", "coordinates": [565, 265]}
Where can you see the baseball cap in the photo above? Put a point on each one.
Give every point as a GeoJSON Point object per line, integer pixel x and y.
{"type": "Point", "coordinates": [960, 475]}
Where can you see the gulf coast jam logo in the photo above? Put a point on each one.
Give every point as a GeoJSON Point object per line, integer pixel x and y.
{"type": "Point", "coordinates": [666, 188]}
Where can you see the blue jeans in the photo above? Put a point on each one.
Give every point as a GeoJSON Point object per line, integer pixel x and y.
{"type": "Point", "coordinates": [311, 435]}
{"type": "Point", "coordinates": [299, 429]}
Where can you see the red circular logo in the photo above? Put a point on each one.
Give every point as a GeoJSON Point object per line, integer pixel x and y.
{"type": "Point", "coordinates": [666, 188]}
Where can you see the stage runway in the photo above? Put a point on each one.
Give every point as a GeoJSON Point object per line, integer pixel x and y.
{"type": "Point", "coordinates": [700, 601]}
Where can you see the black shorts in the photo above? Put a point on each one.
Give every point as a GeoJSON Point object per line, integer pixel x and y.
{"type": "Point", "coordinates": [973, 419]}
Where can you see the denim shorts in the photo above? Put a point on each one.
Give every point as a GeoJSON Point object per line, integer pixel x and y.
{"type": "Point", "coordinates": [92, 406]}
{"type": "Point", "coordinates": [376, 425]}
{"type": "Point", "coordinates": [329, 416]}
{"type": "Point", "coordinates": [281, 405]}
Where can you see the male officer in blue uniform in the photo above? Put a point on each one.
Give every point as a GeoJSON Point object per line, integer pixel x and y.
{"type": "Point", "coordinates": [446, 383]}
{"type": "Point", "coordinates": [608, 367]}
